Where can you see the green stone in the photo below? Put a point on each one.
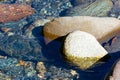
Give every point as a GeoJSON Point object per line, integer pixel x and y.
{"type": "Point", "coordinates": [98, 8]}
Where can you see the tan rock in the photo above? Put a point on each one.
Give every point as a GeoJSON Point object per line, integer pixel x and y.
{"type": "Point", "coordinates": [41, 69]}
{"type": "Point", "coordinates": [82, 49]}
{"type": "Point", "coordinates": [102, 28]}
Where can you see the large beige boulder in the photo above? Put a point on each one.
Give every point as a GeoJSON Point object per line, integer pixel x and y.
{"type": "Point", "coordinates": [102, 28]}
{"type": "Point", "coordinates": [82, 49]}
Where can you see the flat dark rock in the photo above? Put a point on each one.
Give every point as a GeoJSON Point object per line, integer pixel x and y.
{"type": "Point", "coordinates": [21, 48]}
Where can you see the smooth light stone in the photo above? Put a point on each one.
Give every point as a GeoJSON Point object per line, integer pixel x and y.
{"type": "Point", "coordinates": [82, 49]}
{"type": "Point", "coordinates": [103, 28]}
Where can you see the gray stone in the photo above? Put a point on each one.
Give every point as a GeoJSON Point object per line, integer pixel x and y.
{"type": "Point", "coordinates": [113, 45]}
{"type": "Point", "coordinates": [97, 8]}
{"type": "Point", "coordinates": [114, 74]}
{"type": "Point", "coordinates": [80, 2]}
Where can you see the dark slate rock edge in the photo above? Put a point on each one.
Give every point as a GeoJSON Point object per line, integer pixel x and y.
{"type": "Point", "coordinates": [21, 48]}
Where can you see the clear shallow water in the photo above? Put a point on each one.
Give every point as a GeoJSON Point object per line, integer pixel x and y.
{"type": "Point", "coordinates": [52, 53]}
{"type": "Point", "coordinates": [97, 72]}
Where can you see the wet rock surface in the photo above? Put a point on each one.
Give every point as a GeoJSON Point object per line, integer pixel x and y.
{"type": "Point", "coordinates": [54, 72]}
{"type": "Point", "coordinates": [116, 9]}
{"type": "Point", "coordinates": [24, 55]}
{"type": "Point", "coordinates": [79, 2]}
{"type": "Point", "coordinates": [83, 53]}
{"type": "Point", "coordinates": [113, 45]}
{"type": "Point", "coordinates": [59, 27]}
{"type": "Point", "coordinates": [97, 8]}
{"type": "Point", "coordinates": [14, 12]}
{"type": "Point", "coordinates": [20, 47]}
{"type": "Point", "coordinates": [11, 69]}
{"type": "Point", "coordinates": [116, 72]}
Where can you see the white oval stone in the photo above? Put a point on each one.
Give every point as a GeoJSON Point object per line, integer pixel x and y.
{"type": "Point", "coordinates": [81, 45]}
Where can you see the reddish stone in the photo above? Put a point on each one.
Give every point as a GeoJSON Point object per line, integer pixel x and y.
{"type": "Point", "coordinates": [13, 12]}
{"type": "Point", "coordinates": [113, 40]}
